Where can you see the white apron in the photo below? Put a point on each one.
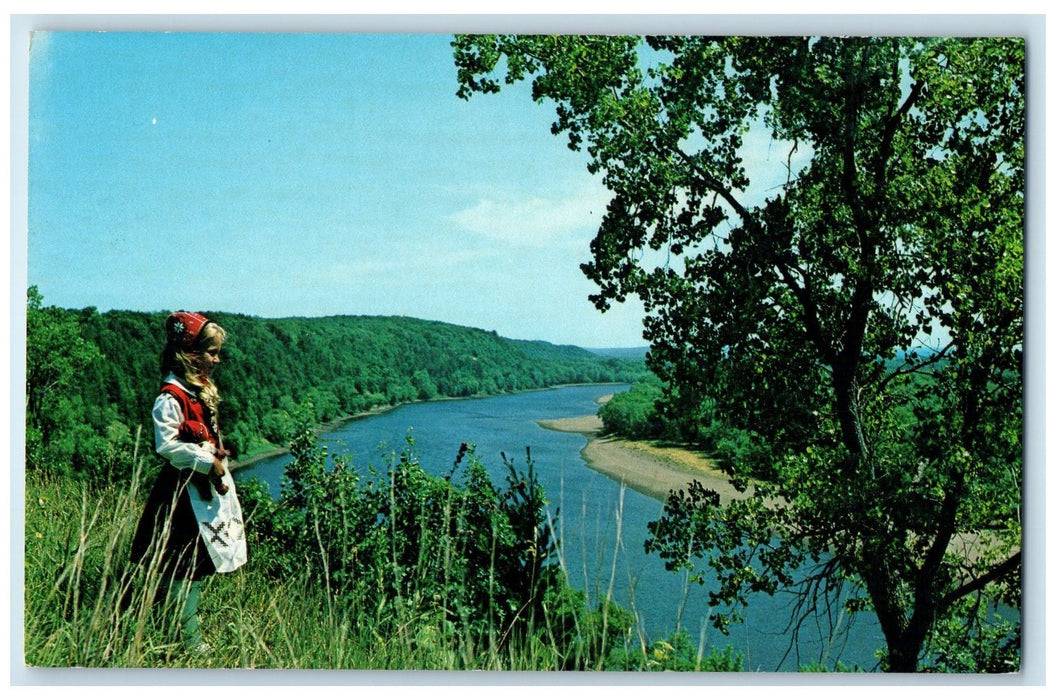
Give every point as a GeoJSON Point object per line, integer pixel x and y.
{"type": "Point", "coordinates": [220, 525]}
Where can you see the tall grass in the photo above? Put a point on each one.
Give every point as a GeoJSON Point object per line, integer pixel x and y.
{"type": "Point", "coordinates": [85, 606]}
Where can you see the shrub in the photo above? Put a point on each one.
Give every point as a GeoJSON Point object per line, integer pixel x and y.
{"type": "Point", "coordinates": [632, 414]}
{"type": "Point", "coordinates": [676, 653]}
{"type": "Point", "coordinates": [453, 549]}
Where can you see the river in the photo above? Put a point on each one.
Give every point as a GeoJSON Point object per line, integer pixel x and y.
{"type": "Point", "coordinates": [601, 526]}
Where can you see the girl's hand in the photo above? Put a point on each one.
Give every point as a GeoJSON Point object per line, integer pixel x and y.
{"type": "Point", "coordinates": [217, 476]}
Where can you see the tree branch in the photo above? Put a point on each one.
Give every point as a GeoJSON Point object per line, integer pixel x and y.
{"type": "Point", "coordinates": [998, 572]}
{"type": "Point", "coordinates": [937, 357]}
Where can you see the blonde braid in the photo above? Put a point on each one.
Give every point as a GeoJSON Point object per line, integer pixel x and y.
{"type": "Point", "coordinates": [207, 390]}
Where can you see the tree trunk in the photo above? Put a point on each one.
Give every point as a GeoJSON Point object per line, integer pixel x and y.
{"type": "Point", "coordinates": [902, 656]}
{"type": "Point", "coordinates": [845, 388]}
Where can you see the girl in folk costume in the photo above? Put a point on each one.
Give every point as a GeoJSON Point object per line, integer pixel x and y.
{"type": "Point", "coordinates": [192, 525]}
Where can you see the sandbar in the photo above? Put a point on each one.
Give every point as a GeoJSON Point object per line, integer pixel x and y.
{"type": "Point", "coordinates": [656, 470]}
{"type": "Point", "coordinates": [649, 468]}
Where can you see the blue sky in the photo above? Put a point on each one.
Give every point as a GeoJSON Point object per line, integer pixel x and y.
{"type": "Point", "coordinates": [305, 175]}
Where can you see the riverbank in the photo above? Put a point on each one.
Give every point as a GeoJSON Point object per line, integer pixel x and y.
{"type": "Point", "coordinates": [655, 470]}
{"type": "Point", "coordinates": [649, 468]}
{"type": "Point", "coordinates": [332, 425]}
{"type": "Point", "coordinates": [328, 426]}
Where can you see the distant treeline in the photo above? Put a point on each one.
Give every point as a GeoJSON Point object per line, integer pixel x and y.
{"type": "Point", "coordinates": [92, 377]}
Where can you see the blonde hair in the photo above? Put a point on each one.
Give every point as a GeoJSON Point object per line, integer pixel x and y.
{"type": "Point", "coordinates": [183, 362]}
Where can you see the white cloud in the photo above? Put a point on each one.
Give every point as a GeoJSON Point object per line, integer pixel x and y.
{"type": "Point", "coordinates": [534, 220]}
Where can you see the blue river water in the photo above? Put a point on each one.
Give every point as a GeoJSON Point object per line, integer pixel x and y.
{"type": "Point", "coordinates": [600, 524]}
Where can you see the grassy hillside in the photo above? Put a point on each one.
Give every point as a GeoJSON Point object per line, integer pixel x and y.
{"type": "Point", "coordinates": [411, 572]}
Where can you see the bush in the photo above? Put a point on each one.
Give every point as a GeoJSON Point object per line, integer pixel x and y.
{"type": "Point", "coordinates": [675, 653]}
{"type": "Point", "coordinates": [632, 414]}
{"type": "Point", "coordinates": [467, 554]}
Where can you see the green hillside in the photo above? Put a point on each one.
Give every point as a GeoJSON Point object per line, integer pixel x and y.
{"type": "Point", "coordinates": [92, 377]}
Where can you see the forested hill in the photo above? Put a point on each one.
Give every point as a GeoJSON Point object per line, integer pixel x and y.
{"type": "Point", "coordinates": [271, 368]}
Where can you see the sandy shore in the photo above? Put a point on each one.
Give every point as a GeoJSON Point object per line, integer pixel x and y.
{"type": "Point", "coordinates": [647, 468]}
{"type": "Point", "coordinates": [656, 470]}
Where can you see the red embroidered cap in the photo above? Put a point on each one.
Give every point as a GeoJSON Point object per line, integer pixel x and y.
{"type": "Point", "coordinates": [183, 327]}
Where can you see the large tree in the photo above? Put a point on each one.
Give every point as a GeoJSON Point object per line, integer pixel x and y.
{"type": "Point", "coordinates": [56, 355]}
{"type": "Point", "coordinates": [862, 317]}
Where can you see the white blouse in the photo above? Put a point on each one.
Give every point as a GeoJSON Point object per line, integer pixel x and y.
{"type": "Point", "coordinates": [167, 419]}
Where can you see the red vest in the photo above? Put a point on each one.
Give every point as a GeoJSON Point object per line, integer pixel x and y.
{"type": "Point", "coordinates": [194, 411]}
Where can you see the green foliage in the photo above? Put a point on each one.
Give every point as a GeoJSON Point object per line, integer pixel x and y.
{"type": "Point", "coordinates": [648, 411]}
{"type": "Point", "coordinates": [675, 654]}
{"type": "Point", "coordinates": [469, 555]}
{"type": "Point", "coordinates": [398, 570]}
{"type": "Point", "coordinates": [839, 667]}
{"type": "Point", "coordinates": [88, 371]}
{"type": "Point", "coordinates": [632, 413]}
{"type": "Point", "coordinates": [854, 333]}
{"type": "Point", "coordinates": [64, 431]}
{"type": "Point", "coordinates": [975, 639]}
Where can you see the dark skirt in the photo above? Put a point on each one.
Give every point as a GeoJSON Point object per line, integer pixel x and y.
{"type": "Point", "coordinates": [182, 553]}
